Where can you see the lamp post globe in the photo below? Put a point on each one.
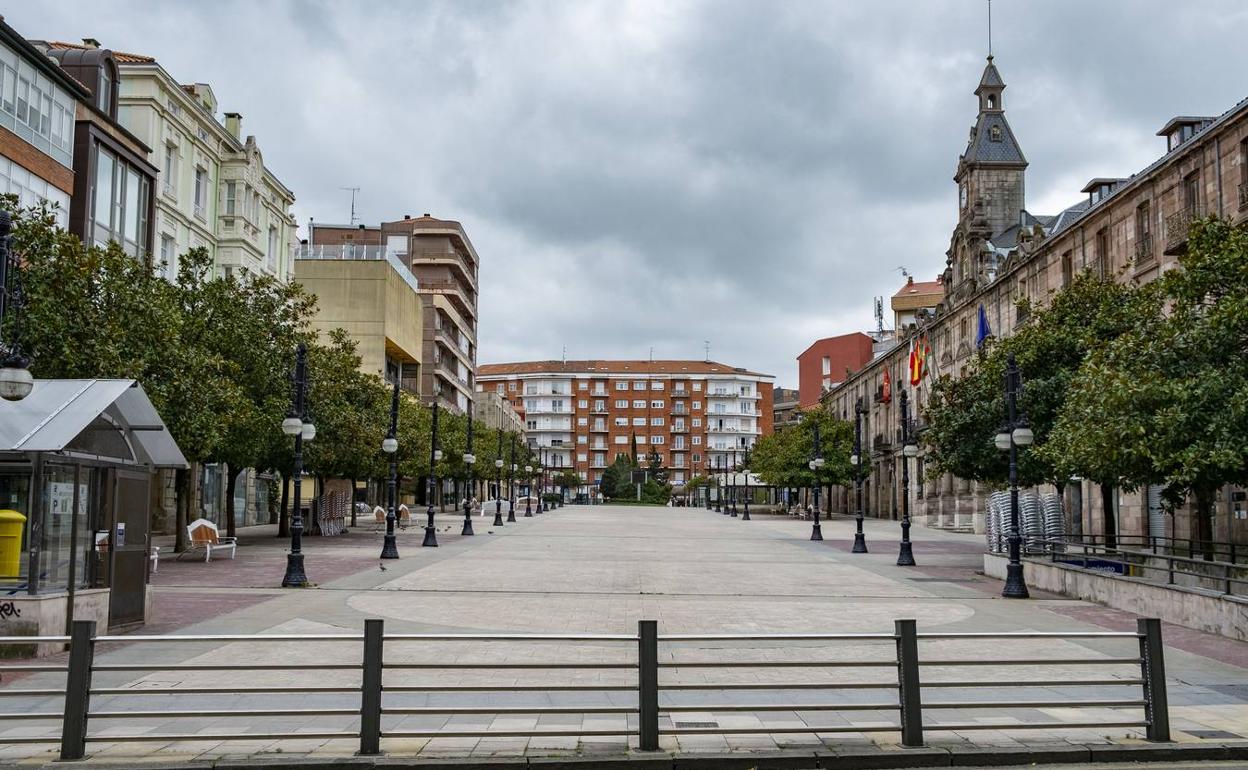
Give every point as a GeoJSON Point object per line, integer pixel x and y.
{"type": "Point", "coordinates": [292, 426]}
{"type": "Point", "coordinates": [16, 382]}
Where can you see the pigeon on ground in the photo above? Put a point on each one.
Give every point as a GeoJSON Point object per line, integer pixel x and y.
{"type": "Point", "coordinates": [383, 567]}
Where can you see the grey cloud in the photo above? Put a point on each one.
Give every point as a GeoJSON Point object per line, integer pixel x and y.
{"type": "Point", "coordinates": [656, 174]}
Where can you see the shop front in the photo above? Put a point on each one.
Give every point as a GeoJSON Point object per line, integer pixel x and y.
{"type": "Point", "coordinates": [77, 465]}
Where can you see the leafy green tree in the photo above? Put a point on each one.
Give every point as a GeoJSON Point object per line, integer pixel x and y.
{"type": "Point", "coordinates": [617, 479]}
{"type": "Point", "coordinates": [783, 459]}
{"type": "Point", "coordinates": [965, 413]}
{"type": "Point", "coordinates": [1164, 403]}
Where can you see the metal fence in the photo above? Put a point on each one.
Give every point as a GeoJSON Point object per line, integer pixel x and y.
{"type": "Point", "coordinates": [659, 687]}
{"type": "Point", "coordinates": [1154, 565]}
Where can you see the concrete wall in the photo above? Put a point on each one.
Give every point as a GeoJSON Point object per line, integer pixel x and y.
{"type": "Point", "coordinates": [44, 615]}
{"type": "Point", "coordinates": [1196, 608]}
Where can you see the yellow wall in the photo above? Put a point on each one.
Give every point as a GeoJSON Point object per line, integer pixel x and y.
{"type": "Point", "coordinates": [371, 302]}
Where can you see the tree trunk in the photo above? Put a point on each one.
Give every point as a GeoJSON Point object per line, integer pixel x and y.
{"type": "Point", "coordinates": [351, 502]}
{"type": "Point", "coordinates": [274, 510]}
{"type": "Point", "coordinates": [182, 503]}
{"type": "Point", "coordinates": [231, 484]}
{"type": "Point", "coordinates": [1109, 519]}
{"type": "Point", "coordinates": [1074, 496]}
{"type": "Point", "coordinates": [283, 514]}
{"type": "Point", "coordinates": [1204, 522]}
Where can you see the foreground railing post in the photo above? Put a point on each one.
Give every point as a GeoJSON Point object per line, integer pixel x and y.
{"type": "Point", "coordinates": [648, 685]}
{"type": "Point", "coordinates": [370, 688]}
{"type": "Point", "coordinates": [78, 690]}
{"type": "Point", "coordinates": [1153, 668]}
{"type": "Point", "coordinates": [908, 683]}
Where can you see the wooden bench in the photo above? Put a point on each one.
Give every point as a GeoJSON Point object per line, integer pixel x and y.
{"type": "Point", "coordinates": [203, 535]}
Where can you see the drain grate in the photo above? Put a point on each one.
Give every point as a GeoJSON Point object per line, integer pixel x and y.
{"type": "Point", "coordinates": [683, 725]}
{"type": "Point", "coordinates": [1213, 735]}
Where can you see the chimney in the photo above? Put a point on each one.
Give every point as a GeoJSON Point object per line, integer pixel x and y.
{"type": "Point", "coordinates": [407, 216]}
{"type": "Point", "coordinates": [234, 124]}
{"type": "Point", "coordinates": [90, 42]}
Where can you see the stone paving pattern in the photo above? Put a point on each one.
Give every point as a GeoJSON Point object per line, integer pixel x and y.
{"type": "Point", "coordinates": [598, 571]}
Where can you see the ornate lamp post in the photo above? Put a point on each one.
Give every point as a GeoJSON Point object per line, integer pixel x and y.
{"type": "Point", "coordinates": [511, 484]}
{"type": "Point", "coordinates": [723, 489]}
{"type": "Point", "coordinates": [390, 445]}
{"type": "Point", "coordinates": [528, 498]}
{"type": "Point", "coordinates": [815, 464]}
{"type": "Point", "coordinates": [469, 460]}
{"type": "Point", "coordinates": [905, 555]}
{"type": "Point", "coordinates": [498, 483]}
{"type": "Point", "coordinates": [295, 425]}
{"type": "Point", "coordinates": [1014, 434]}
{"type": "Point", "coordinates": [435, 457]}
{"type": "Point", "coordinates": [745, 516]}
{"type": "Point", "coordinates": [16, 381]}
{"type": "Point", "coordinates": [733, 485]}
{"type": "Point", "coordinates": [543, 476]}
{"type": "Point", "coordinates": [855, 459]}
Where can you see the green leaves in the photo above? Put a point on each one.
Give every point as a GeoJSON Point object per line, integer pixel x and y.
{"type": "Point", "coordinates": [782, 459]}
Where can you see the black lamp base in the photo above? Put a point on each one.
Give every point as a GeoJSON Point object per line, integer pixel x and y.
{"type": "Point", "coordinates": [905, 556]}
{"type": "Point", "coordinates": [389, 547]}
{"type": "Point", "coordinates": [1015, 588]}
{"type": "Point", "coordinates": [431, 538]}
{"type": "Point", "coordinates": [816, 531]}
{"type": "Point", "coordinates": [467, 530]}
{"type": "Point", "coordinates": [295, 577]}
{"type": "Point", "coordinates": [860, 543]}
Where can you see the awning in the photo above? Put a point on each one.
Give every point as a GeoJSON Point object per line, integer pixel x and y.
{"type": "Point", "coordinates": [57, 411]}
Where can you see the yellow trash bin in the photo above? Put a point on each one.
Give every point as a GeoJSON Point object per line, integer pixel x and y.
{"type": "Point", "coordinates": [11, 525]}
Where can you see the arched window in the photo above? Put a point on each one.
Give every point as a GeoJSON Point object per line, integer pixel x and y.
{"type": "Point", "coordinates": [992, 101]}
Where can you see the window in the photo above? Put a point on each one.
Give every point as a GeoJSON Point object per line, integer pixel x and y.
{"type": "Point", "coordinates": [556, 405]}
{"type": "Point", "coordinates": [994, 133]}
{"type": "Point", "coordinates": [582, 457]}
{"type": "Point", "coordinates": [103, 208]}
{"type": "Point", "coordinates": [169, 184]}
{"type": "Point", "coordinates": [272, 255]}
{"type": "Point", "coordinates": [658, 404]}
{"type": "Point", "coordinates": [511, 386]}
{"type": "Point", "coordinates": [1102, 252]}
{"type": "Point", "coordinates": [582, 421]}
{"type": "Point", "coordinates": [962, 195]}
{"type": "Point", "coordinates": [827, 365]}
{"type": "Point", "coordinates": [639, 421]}
{"type": "Point", "coordinates": [619, 439]}
{"type": "Point", "coordinates": [1068, 270]}
{"type": "Point", "coordinates": [582, 404]}
{"type": "Point", "coordinates": [621, 421]}
{"type": "Point", "coordinates": [582, 385]}
{"type": "Point", "coordinates": [621, 385]}
{"type": "Point", "coordinates": [499, 388]}
{"type": "Point", "coordinates": [639, 384]}
{"type": "Point", "coordinates": [695, 440]}
{"type": "Point", "coordinates": [697, 458]}
{"type": "Point", "coordinates": [231, 198]}
{"type": "Point", "coordinates": [697, 404]}
{"type": "Point", "coordinates": [656, 420]}
{"type": "Point", "coordinates": [621, 404]}
{"type": "Point", "coordinates": [600, 406]}
{"type": "Point", "coordinates": [582, 439]}
{"type": "Point", "coordinates": [658, 439]}
{"type": "Point", "coordinates": [1143, 232]}
{"type": "Point", "coordinates": [656, 385]}
{"type": "Point", "coordinates": [167, 247]}
{"type": "Point", "coordinates": [201, 192]}
{"type": "Point", "coordinates": [104, 98]}
{"type": "Point", "coordinates": [695, 422]}
{"type": "Point", "coordinates": [697, 386]}
{"type": "Point", "coordinates": [531, 424]}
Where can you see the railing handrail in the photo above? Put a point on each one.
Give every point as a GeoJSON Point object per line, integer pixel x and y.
{"type": "Point", "coordinates": [905, 658]}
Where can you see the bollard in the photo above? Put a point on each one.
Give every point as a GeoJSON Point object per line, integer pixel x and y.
{"type": "Point", "coordinates": [370, 687]}
{"type": "Point", "coordinates": [1153, 671]}
{"type": "Point", "coordinates": [78, 690]}
{"type": "Point", "coordinates": [648, 685]}
{"type": "Point", "coordinates": [908, 683]}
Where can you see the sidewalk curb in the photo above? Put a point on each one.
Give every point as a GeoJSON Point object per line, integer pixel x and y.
{"type": "Point", "coordinates": [825, 759]}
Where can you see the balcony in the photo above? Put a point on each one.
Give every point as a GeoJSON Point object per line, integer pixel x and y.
{"type": "Point", "coordinates": [549, 410]}
{"type": "Point", "coordinates": [599, 429]}
{"type": "Point", "coordinates": [680, 394]}
{"type": "Point", "coordinates": [881, 443]}
{"type": "Point", "coordinates": [1243, 196]}
{"type": "Point", "coordinates": [1177, 226]}
{"type": "Point", "coordinates": [1144, 253]}
{"type": "Point", "coordinates": [680, 429]}
{"type": "Point", "coordinates": [679, 409]}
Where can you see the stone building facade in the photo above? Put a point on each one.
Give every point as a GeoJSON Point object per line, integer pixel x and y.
{"type": "Point", "coordinates": [1133, 228]}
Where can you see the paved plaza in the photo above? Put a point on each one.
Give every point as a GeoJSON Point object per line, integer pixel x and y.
{"type": "Point", "coordinates": [598, 570]}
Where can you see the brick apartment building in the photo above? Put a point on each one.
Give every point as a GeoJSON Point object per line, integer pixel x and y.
{"type": "Point", "coordinates": [827, 362]}
{"type": "Point", "coordinates": [445, 264]}
{"type": "Point", "coordinates": [693, 414]}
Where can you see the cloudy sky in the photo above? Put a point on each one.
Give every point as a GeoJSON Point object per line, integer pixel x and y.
{"type": "Point", "coordinates": [641, 175]}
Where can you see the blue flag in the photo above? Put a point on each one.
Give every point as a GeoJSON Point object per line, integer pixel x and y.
{"type": "Point", "coordinates": [983, 330]}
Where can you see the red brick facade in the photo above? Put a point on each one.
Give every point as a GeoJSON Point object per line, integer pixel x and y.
{"type": "Point", "coordinates": [845, 355]}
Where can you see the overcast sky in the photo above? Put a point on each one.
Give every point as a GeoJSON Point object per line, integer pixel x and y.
{"type": "Point", "coordinates": [640, 175]}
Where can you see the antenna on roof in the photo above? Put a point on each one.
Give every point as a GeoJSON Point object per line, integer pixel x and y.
{"type": "Point", "coordinates": [904, 272]}
{"type": "Point", "coordinates": [651, 354]}
{"type": "Point", "coordinates": [879, 315]}
{"type": "Point", "coordinates": [565, 355]}
{"type": "Point", "coordinates": [707, 344]}
{"type": "Point", "coordinates": [353, 190]}
{"type": "Point", "coordinates": [989, 30]}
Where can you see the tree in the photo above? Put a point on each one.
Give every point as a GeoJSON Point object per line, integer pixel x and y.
{"type": "Point", "coordinates": [617, 479]}
{"type": "Point", "coordinates": [782, 459]}
{"type": "Point", "coordinates": [655, 469]}
{"type": "Point", "coordinates": [965, 413]}
{"type": "Point", "coordinates": [568, 479]}
{"type": "Point", "coordinates": [1164, 403]}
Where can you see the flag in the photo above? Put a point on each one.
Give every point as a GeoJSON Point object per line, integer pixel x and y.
{"type": "Point", "coordinates": [929, 360]}
{"type": "Point", "coordinates": [983, 330]}
{"type": "Point", "coordinates": [886, 390]}
{"type": "Point", "coordinates": [920, 350]}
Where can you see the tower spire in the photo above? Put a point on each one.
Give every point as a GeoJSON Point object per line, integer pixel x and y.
{"type": "Point", "coordinates": [989, 30]}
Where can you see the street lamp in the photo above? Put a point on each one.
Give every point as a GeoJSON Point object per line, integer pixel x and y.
{"type": "Point", "coordinates": [390, 445]}
{"type": "Point", "coordinates": [746, 461]}
{"type": "Point", "coordinates": [295, 427]}
{"type": "Point", "coordinates": [855, 459]}
{"type": "Point", "coordinates": [469, 459]}
{"type": "Point", "coordinates": [1014, 434]}
{"type": "Point", "coordinates": [528, 498]}
{"type": "Point", "coordinates": [815, 464]}
{"type": "Point", "coordinates": [733, 485]}
{"type": "Point", "coordinates": [511, 484]}
{"type": "Point", "coordinates": [435, 456]}
{"type": "Point", "coordinates": [16, 381]}
{"type": "Point", "coordinates": [905, 555]}
{"type": "Point", "coordinates": [498, 482]}
{"type": "Point", "coordinates": [723, 490]}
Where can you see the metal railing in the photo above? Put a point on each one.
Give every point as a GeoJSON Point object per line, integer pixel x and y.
{"type": "Point", "coordinates": [1207, 550]}
{"type": "Point", "coordinates": [1152, 566]}
{"type": "Point", "coordinates": [1243, 195]}
{"type": "Point", "coordinates": [379, 706]}
{"type": "Point", "coordinates": [1144, 253]}
{"type": "Point", "coordinates": [1179, 223]}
